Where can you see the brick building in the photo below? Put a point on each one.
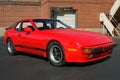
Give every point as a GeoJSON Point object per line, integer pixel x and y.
{"type": "Point", "coordinates": [76, 13]}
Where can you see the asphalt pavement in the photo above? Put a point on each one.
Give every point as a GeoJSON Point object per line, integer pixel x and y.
{"type": "Point", "coordinates": [31, 67]}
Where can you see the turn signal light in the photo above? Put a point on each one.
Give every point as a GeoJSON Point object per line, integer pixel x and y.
{"type": "Point", "coordinates": [72, 49]}
{"type": "Point", "coordinates": [86, 50]}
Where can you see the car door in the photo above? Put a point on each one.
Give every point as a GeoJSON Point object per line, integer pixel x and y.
{"type": "Point", "coordinates": [17, 32]}
{"type": "Point", "coordinates": [27, 39]}
{"type": "Point", "coordinates": [23, 38]}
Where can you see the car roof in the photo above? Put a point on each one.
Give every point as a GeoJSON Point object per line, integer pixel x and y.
{"type": "Point", "coordinates": [31, 19]}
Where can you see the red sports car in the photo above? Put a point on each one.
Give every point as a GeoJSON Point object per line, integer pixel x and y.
{"type": "Point", "coordinates": [57, 41]}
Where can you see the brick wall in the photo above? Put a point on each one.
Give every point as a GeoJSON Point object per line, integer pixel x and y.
{"type": "Point", "coordinates": [22, 0]}
{"type": "Point", "coordinates": [11, 14]}
{"type": "Point", "coordinates": [87, 11]}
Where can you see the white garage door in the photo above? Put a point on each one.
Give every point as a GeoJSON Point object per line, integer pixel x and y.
{"type": "Point", "coordinates": [69, 19]}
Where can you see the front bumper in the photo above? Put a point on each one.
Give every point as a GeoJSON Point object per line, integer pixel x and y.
{"type": "Point", "coordinates": [98, 52]}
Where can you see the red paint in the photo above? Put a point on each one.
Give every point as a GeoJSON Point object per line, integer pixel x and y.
{"type": "Point", "coordinates": [36, 42]}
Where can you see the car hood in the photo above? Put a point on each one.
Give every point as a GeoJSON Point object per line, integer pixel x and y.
{"type": "Point", "coordinates": [85, 38]}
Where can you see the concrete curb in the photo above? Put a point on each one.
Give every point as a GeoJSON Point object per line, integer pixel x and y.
{"type": "Point", "coordinates": [117, 40]}
{"type": "Point", "coordinates": [2, 30]}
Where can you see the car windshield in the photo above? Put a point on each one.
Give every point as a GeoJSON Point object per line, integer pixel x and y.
{"type": "Point", "coordinates": [50, 24]}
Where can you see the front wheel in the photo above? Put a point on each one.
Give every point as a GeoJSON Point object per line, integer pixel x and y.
{"type": "Point", "coordinates": [56, 54]}
{"type": "Point", "coordinates": [10, 47]}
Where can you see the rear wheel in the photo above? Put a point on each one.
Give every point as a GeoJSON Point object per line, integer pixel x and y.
{"type": "Point", "coordinates": [10, 47]}
{"type": "Point", "coordinates": [56, 54]}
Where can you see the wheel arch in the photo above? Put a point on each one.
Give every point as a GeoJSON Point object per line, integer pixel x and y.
{"type": "Point", "coordinates": [63, 61]}
{"type": "Point", "coordinates": [6, 40]}
{"type": "Point", "coordinates": [51, 42]}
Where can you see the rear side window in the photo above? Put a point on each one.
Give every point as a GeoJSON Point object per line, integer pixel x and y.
{"type": "Point", "coordinates": [18, 27]}
{"type": "Point", "coordinates": [21, 25]}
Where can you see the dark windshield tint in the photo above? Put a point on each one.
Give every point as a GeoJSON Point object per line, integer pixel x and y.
{"type": "Point", "coordinates": [49, 24]}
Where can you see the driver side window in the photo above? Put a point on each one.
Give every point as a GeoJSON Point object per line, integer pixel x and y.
{"type": "Point", "coordinates": [42, 25]}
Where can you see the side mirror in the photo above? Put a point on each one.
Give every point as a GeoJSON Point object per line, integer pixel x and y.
{"type": "Point", "coordinates": [27, 29]}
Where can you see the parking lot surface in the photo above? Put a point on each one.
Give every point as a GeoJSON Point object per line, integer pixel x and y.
{"type": "Point", "coordinates": [30, 67]}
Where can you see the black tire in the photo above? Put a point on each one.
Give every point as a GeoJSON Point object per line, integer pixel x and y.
{"type": "Point", "coordinates": [56, 54]}
{"type": "Point", "coordinates": [11, 47]}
